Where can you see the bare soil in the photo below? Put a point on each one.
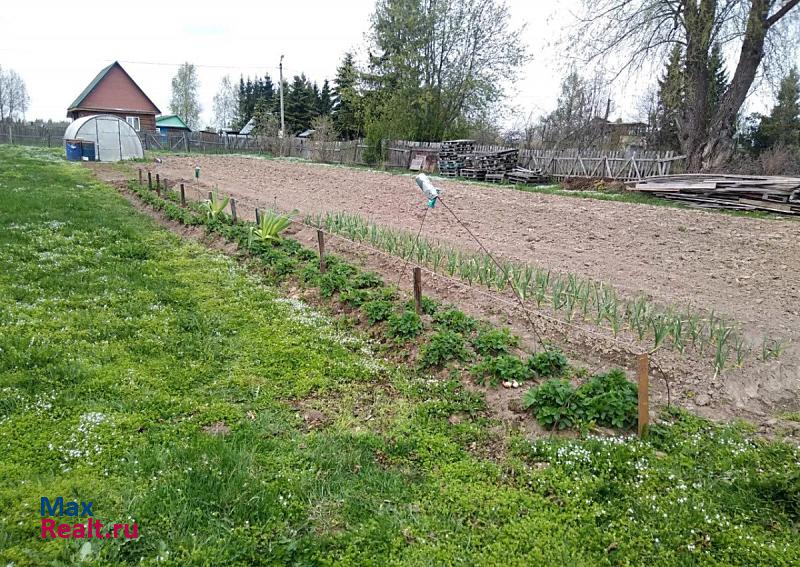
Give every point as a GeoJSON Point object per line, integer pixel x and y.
{"type": "Point", "coordinates": [744, 268]}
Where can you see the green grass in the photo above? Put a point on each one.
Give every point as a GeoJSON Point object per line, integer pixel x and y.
{"type": "Point", "coordinates": [120, 342]}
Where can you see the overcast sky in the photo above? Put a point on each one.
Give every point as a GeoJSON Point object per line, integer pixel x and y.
{"type": "Point", "coordinates": [58, 47]}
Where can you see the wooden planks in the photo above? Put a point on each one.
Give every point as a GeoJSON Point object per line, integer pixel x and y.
{"type": "Point", "coordinates": [775, 194]}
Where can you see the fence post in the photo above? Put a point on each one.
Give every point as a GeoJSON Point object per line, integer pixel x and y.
{"type": "Point", "coordinates": [321, 242]}
{"type": "Point", "coordinates": [158, 182]}
{"type": "Point", "coordinates": [183, 196]}
{"type": "Point", "coordinates": [210, 196]}
{"type": "Point", "coordinates": [140, 177]}
{"type": "Point", "coordinates": [233, 209]}
{"type": "Point", "coordinates": [418, 290]}
{"type": "Point", "coordinates": [642, 372]}
{"type": "Point", "coordinates": [258, 216]}
{"type": "Point", "coordinates": [149, 180]}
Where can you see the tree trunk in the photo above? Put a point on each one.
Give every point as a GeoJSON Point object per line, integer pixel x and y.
{"type": "Point", "coordinates": [699, 26]}
{"type": "Point", "coordinates": [717, 150]}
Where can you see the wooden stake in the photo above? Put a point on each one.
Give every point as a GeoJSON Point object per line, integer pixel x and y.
{"type": "Point", "coordinates": [258, 216]}
{"type": "Point", "coordinates": [183, 196]}
{"type": "Point", "coordinates": [233, 209]}
{"type": "Point", "coordinates": [140, 177]}
{"type": "Point", "coordinates": [418, 290]}
{"type": "Point", "coordinates": [321, 242]}
{"type": "Point", "coordinates": [210, 196]}
{"type": "Point", "coordinates": [149, 180]}
{"type": "Point", "coordinates": [158, 183]}
{"type": "Point", "coordinates": [642, 372]}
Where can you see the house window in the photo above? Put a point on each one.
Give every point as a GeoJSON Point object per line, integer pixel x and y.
{"type": "Point", "coordinates": [133, 121]}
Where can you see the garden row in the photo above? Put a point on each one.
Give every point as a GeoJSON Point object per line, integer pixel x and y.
{"type": "Point", "coordinates": [569, 295]}
{"type": "Point", "coordinates": [447, 338]}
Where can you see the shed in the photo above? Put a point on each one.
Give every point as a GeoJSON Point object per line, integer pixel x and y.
{"type": "Point", "coordinates": [114, 138]}
{"type": "Point", "coordinates": [171, 123]}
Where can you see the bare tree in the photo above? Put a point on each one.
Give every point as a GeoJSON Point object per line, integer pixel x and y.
{"type": "Point", "coordinates": [14, 99]}
{"type": "Point", "coordinates": [184, 101]}
{"type": "Point", "coordinates": [226, 102]}
{"type": "Point", "coordinates": [644, 31]}
{"type": "Point", "coordinates": [323, 139]}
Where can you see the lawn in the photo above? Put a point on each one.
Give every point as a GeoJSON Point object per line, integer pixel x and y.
{"type": "Point", "coordinates": [176, 388]}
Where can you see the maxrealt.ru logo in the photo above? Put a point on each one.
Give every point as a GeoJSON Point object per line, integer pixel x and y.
{"type": "Point", "coordinates": [89, 529]}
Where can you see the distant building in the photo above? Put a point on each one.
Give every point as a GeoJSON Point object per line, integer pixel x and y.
{"type": "Point", "coordinates": [114, 92]}
{"type": "Point", "coordinates": [170, 124]}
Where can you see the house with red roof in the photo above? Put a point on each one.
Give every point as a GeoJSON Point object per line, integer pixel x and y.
{"type": "Point", "coordinates": [114, 92]}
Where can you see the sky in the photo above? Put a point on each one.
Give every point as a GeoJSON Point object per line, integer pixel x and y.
{"type": "Point", "coordinates": [58, 48]}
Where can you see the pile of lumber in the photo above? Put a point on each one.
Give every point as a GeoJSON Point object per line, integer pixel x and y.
{"type": "Point", "coordinates": [453, 156]}
{"type": "Point", "coordinates": [738, 192]}
{"type": "Point", "coordinates": [524, 175]}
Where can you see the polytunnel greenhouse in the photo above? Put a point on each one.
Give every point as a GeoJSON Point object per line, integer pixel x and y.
{"type": "Point", "coordinates": [103, 138]}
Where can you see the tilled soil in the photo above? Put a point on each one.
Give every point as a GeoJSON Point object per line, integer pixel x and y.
{"type": "Point", "coordinates": [746, 269]}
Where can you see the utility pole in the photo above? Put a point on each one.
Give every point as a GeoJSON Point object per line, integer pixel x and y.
{"type": "Point", "coordinates": [280, 89]}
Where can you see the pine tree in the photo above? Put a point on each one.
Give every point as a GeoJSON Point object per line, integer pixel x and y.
{"type": "Point", "coordinates": [670, 103]}
{"type": "Point", "coordinates": [717, 79]}
{"type": "Point", "coordinates": [325, 101]}
{"type": "Point", "coordinates": [782, 126]}
{"type": "Point", "coordinates": [300, 105]}
{"type": "Point", "coordinates": [347, 101]}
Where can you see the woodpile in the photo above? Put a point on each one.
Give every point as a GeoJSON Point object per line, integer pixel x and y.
{"type": "Point", "coordinates": [523, 175]}
{"type": "Point", "coordinates": [737, 192]}
{"type": "Point", "coordinates": [453, 155]}
{"type": "Point", "coordinates": [458, 158]}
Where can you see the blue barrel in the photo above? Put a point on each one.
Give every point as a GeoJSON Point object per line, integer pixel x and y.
{"type": "Point", "coordinates": [88, 152]}
{"type": "Point", "coordinates": [74, 150]}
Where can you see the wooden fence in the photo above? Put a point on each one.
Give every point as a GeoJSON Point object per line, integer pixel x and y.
{"type": "Point", "coordinates": [558, 164]}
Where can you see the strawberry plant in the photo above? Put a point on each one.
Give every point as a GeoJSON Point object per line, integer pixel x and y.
{"type": "Point", "coordinates": [503, 368]}
{"type": "Point", "coordinates": [378, 310]}
{"type": "Point", "coordinates": [443, 347]}
{"type": "Point", "coordinates": [554, 404]}
{"type": "Point", "coordinates": [548, 363]}
{"type": "Point", "coordinates": [404, 327]}
{"type": "Point", "coordinates": [492, 342]}
{"type": "Point", "coordinates": [454, 320]}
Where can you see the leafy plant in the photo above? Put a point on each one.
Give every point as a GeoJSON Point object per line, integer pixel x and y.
{"type": "Point", "coordinates": [491, 342]}
{"type": "Point", "coordinates": [269, 227]}
{"type": "Point", "coordinates": [454, 320]}
{"type": "Point", "coordinates": [443, 347]}
{"type": "Point", "coordinates": [404, 327]}
{"type": "Point", "coordinates": [215, 206]}
{"type": "Point", "coordinates": [429, 306]}
{"type": "Point", "coordinates": [366, 280]}
{"type": "Point", "coordinates": [554, 404]}
{"type": "Point", "coordinates": [378, 310]}
{"type": "Point", "coordinates": [547, 363]}
{"type": "Point", "coordinates": [609, 399]}
{"type": "Point", "coordinates": [501, 368]}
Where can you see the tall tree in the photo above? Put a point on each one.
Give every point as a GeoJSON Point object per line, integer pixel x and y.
{"type": "Point", "coordinates": [574, 121]}
{"type": "Point", "coordinates": [225, 104]}
{"type": "Point", "coordinates": [184, 101]}
{"type": "Point", "coordinates": [669, 105]}
{"type": "Point", "coordinates": [325, 102]}
{"type": "Point", "coordinates": [641, 31]}
{"type": "Point", "coordinates": [347, 106]}
{"type": "Point", "coordinates": [14, 99]}
{"type": "Point", "coordinates": [440, 64]}
{"type": "Point", "coordinates": [717, 79]}
{"type": "Point", "coordinates": [300, 105]}
{"type": "Point", "coordinates": [782, 126]}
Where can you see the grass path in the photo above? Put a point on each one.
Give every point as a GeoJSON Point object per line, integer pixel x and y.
{"type": "Point", "coordinates": [171, 388]}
